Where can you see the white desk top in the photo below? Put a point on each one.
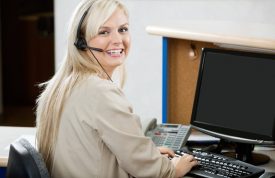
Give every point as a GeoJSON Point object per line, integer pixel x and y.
{"type": "Point", "coordinates": [252, 35]}
{"type": "Point", "coordinates": [9, 135]}
{"type": "Point", "coordinates": [270, 166]}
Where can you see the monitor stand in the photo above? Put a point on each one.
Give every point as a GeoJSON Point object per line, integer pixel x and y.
{"type": "Point", "coordinates": [244, 152]}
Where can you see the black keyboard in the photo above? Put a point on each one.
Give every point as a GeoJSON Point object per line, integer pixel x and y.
{"type": "Point", "coordinates": [212, 165]}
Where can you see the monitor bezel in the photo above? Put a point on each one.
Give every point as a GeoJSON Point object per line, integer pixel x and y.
{"type": "Point", "coordinates": [218, 131]}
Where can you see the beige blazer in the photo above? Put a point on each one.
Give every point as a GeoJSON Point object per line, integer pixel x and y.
{"type": "Point", "coordinates": [100, 136]}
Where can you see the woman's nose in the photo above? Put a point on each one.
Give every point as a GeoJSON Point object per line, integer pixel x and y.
{"type": "Point", "coordinates": [116, 38]}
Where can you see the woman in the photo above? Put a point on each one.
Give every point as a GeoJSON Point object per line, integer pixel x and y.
{"type": "Point", "coordinates": [85, 125]}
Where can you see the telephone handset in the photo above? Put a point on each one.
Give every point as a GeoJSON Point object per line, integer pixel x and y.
{"type": "Point", "coordinates": [173, 136]}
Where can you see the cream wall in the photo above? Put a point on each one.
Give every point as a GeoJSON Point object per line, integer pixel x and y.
{"type": "Point", "coordinates": [144, 84]}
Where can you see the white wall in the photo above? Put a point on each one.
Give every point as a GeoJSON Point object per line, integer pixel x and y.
{"type": "Point", "coordinates": [144, 85]}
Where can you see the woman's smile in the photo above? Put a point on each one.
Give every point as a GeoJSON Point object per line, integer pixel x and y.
{"type": "Point", "coordinates": [115, 52]}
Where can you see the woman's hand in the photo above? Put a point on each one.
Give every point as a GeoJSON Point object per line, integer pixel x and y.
{"type": "Point", "coordinates": [184, 164]}
{"type": "Point", "coordinates": [166, 151]}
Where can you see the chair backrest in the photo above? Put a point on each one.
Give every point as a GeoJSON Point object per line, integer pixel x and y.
{"type": "Point", "coordinates": [25, 161]}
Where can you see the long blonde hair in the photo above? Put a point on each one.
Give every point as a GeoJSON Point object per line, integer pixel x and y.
{"type": "Point", "coordinates": [75, 67]}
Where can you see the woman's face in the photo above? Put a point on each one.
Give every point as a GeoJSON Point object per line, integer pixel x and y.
{"type": "Point", "coordinates": [114, 38]}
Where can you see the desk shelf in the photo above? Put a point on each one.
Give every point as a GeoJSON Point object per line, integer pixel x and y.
{"type": "Point", "coordinates": [182, 48]}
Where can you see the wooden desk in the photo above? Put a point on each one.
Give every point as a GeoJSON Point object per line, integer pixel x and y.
{"type": "Point", "coordinates": [7, 136]}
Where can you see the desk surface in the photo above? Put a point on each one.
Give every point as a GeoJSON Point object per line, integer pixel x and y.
{"type": "Point", "coordinates": [270, 166]}
{"type": "Point", "coordinates": [9, 135]}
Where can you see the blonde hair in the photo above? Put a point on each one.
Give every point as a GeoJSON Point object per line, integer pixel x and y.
{"type": "Point", "coordinates": [76, 66]}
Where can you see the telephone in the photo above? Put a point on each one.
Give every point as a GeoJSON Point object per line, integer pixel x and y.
{"type": "Point", "coordinates": [173, 136]}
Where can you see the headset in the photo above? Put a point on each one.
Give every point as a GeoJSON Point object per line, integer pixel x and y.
{"type": "Point", "coordinates": [81, 44]}
{"type": "Point", "coordinates": [80, 41]}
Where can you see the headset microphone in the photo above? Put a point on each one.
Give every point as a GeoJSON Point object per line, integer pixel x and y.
{"type": "Point", "coordinates": [95, 49]}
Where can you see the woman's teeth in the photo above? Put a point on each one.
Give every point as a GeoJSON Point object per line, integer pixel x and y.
{"type": "Point", "coordinates": [115, 52]}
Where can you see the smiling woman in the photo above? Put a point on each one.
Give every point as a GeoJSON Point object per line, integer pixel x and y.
{"type": "Point", "coordinates": [114, 39]}
{"type": "Point", "coordinates": [84, 117]}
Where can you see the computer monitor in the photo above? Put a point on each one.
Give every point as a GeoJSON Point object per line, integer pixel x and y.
{"type": "Point", "coordinates": [235, 100]}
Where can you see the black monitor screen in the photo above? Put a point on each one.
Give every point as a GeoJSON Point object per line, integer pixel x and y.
{"type": "Point", "coordinates": [235, 96]}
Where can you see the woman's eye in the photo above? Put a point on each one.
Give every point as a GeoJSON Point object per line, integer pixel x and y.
{"type": "Point", "coordinates": [103, 32]}
{"type": "Point", "coordinates": [123, 29]}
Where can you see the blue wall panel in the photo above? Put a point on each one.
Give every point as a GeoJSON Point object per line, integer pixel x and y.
{"type": "Point", "coordinates": [164, 79]}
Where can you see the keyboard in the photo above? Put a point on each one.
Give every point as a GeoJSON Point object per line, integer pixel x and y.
{"type": "Point", "coordinates": [212, 165]}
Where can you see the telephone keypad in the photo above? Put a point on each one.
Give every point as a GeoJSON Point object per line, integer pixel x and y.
{"type": "Point", "coordinates": [173, 136]}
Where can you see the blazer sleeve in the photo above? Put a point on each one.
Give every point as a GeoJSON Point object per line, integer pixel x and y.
{"type": "Point", "coordinates": [120, 130]}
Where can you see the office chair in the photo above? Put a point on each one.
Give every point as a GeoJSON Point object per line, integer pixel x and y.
{"type": "Point", "coordinates": [25, 161]}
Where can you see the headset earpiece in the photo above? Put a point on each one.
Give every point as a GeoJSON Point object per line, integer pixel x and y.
{"type": "Point", "coordinates": [80, 43]}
